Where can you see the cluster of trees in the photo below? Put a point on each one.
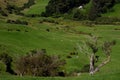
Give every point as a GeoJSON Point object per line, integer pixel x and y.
{"type": "Point", "coordinates": [96, 8]}
{"type": "Point", "coordinates": [56, 7]}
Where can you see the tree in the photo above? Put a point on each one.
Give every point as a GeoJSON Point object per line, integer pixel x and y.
{"type": "Point", "coordinates": [91, 47]}
{"type": "Point", "coordinates": [98, 7]}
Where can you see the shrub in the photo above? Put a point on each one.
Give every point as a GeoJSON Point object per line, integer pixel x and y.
{"type": "Point", "coordinates": [98, 7]}
{"type": "Point", "coordinates": [38, 63]}
{"type": "Point", "coordinates": [108, 20]}
{"type": "Point", "coordinates": [17, 22]}
{"type": "Point", "coordinates": [2, 67]}
{"type": "Point", "coordinates": [50, 20]}
{"type": "Point", "coordinates": [2, 12]}
{"type": "Point", "coordinates": [18, 30]}
{"type": "Point", "coordinates": [7, 60]}
{"type": "Point", "coordinates": [48, 30]}
{"type": "Point", "coordinates": [79, 15]}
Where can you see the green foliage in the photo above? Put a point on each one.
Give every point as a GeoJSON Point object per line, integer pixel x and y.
{"type": "Point", "coordinates": [92, 11]}
{"type": "Point", "coordinates": [62, 6]}
{"type": "Point", "coordinates": [79, 14]}
{"type": "Point", "coordinates": [7, 60]}
{"type": "Point", "coordinates": [98, 7]}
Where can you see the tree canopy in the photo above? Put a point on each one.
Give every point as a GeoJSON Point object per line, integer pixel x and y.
{"type": "Point", "coordinates": [62, 6]}
{"type": "Point", "coordinates": [97, 7]}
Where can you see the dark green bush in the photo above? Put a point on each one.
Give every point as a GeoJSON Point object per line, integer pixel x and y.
{"type": "Point", "coordinates": [98, 7]}
{"type": "Point", "coordinates": [33, 15]}
{"type": "Point", "coordinates": [50, 20]}
{"type": "Point", "coordinates": [79, 15]}
{"type": "Point", "coordinates": [7, 60]}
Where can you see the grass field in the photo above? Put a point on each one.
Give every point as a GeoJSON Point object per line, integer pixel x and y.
{"type": "Point", "coordinates": [59, 42]}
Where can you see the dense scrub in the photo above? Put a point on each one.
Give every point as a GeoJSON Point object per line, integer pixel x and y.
{"type": "Point", "coordinates": [38, 63]}
{"type": "Point", "coordinates": [62, 6]}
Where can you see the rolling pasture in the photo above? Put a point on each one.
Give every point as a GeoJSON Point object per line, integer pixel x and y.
{"type": "Point", "coordinates": [59, 37]}
{"type": "Point", "coordinates": [60, 41]}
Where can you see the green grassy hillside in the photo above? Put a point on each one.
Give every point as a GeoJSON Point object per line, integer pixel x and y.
{"type": "Point", "coordinates": [59, 42]}
{"type": "Point", "coordinates": [61, 39]}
